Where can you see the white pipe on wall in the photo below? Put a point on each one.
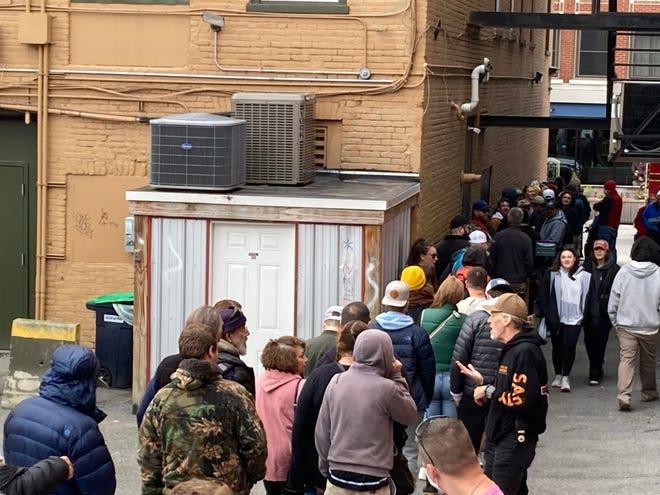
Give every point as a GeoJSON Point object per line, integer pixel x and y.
{"type": "Point", "coordinates": [484, 69]}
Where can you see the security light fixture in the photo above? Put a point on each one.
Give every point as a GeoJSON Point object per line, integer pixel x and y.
{"type": "Point", "coordinates": [216, 21]}
{"type": "Point", "coordinates": [537, 78]}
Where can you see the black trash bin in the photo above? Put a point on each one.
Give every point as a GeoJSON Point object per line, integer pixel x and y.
{"type": "Point", "coordinates": [114, 337]}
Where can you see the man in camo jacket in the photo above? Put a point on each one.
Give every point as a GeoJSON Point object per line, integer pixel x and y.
{"type": "Point", "coordinates": [200, 425]}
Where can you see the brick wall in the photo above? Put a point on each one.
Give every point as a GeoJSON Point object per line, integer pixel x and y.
{"type": "Point", "coordinates": [517, 156]}
{"type": "Point", "coordinates": [569, 39]}
{"type": "Point", "coordinates": [406, 125]}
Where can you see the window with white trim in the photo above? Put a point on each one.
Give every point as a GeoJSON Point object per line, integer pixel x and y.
{"type": "Point", "coordinates": [554, 60]}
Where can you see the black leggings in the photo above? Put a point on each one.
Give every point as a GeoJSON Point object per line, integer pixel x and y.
{"type": "Point", "coordinates": [595, 341]}
{"type": "Point", "coordinates": [564, 343]}
{"type": "Point", "coordinates": [274, 487]}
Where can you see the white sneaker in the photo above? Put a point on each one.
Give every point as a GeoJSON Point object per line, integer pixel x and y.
{"type": "Point", "coordinates": [565, 384]}
{"type": "Point", "coordinates": [557, 381]}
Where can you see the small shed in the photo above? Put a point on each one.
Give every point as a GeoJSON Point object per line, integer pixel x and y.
{"type": "Point", "coordinates": [285, 253]}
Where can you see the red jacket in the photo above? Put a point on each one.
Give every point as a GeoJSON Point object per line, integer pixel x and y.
{"type": "Point", "coordinates": [639, 223]}
{"type": "Point", "coordinates": [615, 213]}
{"type": "Point", "coordinates": [609, 208]}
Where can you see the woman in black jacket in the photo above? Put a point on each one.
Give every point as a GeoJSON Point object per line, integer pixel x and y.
{"type": "Point", "coordinates": [573, 216]}
{"type": "Point", "coordinates": [304, 475]}
{"type": "Point", "coordinates": [603, 269]}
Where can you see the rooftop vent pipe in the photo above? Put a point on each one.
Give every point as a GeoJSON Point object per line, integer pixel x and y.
{"type": "Point", "coordinates": [479, 73]}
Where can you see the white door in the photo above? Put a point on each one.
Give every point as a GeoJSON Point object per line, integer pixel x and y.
{"type": "Point", "coordinates": [253, 263]}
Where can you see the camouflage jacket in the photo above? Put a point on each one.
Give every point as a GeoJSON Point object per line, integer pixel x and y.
{"type": "Point", "coordinates": [201, 426]}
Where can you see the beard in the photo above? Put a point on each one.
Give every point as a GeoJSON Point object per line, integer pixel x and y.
{"type": "Point", "coordinates": [240, 344]}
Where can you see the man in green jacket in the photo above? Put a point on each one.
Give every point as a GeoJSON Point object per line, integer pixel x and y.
{"type": "Point", "coordinates": [200, 425]}
{"type": "Point", "coordinates": [316, 347]}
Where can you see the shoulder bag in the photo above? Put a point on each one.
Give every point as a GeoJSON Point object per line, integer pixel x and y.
{"type": "Point", "coordinates": [543, 329]}
{"type": "Point", "coordinates": [454, 314]}
{"type": "Point", "coordinates": [401, 476]}
{"type": "Point", "coordinates": [545, 249]}
{"type": "Point", "coordinates": [295, 398]}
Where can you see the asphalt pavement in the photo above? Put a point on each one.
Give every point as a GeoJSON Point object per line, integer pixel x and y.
{"type": "Point", "coordinates": [590, 447]}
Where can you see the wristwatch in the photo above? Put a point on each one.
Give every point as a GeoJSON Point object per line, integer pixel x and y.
{"type": "Point", "coordinates": [490, 390]}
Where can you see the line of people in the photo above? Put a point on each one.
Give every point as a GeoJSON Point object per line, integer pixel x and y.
{"type": "Point", "coordinates": [366, 403]}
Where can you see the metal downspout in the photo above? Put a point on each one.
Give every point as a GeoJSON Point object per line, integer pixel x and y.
{"type": "Point", "coordinates": [42, 179]}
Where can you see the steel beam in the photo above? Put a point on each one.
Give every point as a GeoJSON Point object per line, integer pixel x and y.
{"type": "Point", "coordinates": [544, 122]}
{"type": "Point", "coordinates": [602, 21]}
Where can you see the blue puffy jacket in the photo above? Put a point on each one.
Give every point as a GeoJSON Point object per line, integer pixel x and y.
{"type": "Point", "coordinates": [63, 420]}
{"type": "Point", "coordinates": [413, 348]}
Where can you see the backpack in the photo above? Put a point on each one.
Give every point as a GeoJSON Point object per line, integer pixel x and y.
{"type": "Point", "coordinates": [461, 273]}
{"type": "Point", "coordinates": [586, 207]}
{"type": "Point", "coordinates": [456, 260]}
{"type": "Point", "coordinates": [227, 371]}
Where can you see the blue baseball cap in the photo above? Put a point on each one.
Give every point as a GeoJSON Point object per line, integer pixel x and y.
{"type": "Point", "coordinates": [480, 205]}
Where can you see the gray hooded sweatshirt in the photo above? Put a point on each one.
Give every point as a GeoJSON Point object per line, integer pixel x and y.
{"type": "Point", "coordinates": [554, 228]}
{"type": "Point", "coordinates": [354, 429]}
{"type": "Point", "coordinates": [635, 298]}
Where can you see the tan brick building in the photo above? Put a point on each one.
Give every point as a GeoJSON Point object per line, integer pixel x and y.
{"type": "Point", "coordinates": [80, 81]}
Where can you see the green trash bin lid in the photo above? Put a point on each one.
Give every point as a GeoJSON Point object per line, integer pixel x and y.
{"type": "Point", "coordinates": [116, 297]}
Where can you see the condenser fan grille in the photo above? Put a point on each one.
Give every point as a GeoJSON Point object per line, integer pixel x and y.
{"type": "Point", "coordinates": [207, 152]}
{"type": "Point", "coordinates": [279, 137]}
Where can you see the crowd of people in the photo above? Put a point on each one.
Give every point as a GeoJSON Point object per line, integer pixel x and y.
{"type": "Point", "coordinates": [448, 382]}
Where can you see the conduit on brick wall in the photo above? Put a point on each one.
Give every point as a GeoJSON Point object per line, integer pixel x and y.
{"type": "Point", "coordinates": [42, 178]}
{"type": "Point", "coordinates": [74, 113]}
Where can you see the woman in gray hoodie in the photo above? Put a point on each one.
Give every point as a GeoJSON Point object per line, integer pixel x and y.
{"type": "Point", "coordinates": [634, 310]}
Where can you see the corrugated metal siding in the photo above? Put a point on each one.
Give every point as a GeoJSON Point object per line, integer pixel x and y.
{"type": "Point", "coordinates": [329, 272]}
{"type": "Point", "coordinates": [395, 244]}
{"type": "Point", "coordinates": [177, 278]}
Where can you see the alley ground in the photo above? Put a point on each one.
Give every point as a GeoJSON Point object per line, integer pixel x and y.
{"type": "Point", "coordinates": [589, 448]}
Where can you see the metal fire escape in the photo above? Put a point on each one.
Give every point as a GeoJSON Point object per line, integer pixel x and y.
{"type": "Point", "coordinates": [637, 130]}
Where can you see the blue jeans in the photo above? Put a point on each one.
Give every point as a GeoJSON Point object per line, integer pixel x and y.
{"type": "Point", "coordinates": [442, 403]}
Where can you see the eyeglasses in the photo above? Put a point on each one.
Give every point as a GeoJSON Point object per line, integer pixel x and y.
{"type": "Point", "coordinates": [419, 433]}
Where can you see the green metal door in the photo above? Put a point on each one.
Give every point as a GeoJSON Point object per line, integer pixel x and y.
{"type": "Point", "coordinates": [17, 216]}
{"type": "Point", "coordinates": [13, 246]}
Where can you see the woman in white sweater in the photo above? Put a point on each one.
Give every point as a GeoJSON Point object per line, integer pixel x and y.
{"type": "Point", "coordinates": [564, 302]}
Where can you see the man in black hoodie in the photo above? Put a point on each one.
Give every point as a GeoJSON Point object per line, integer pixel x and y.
{"type": "Point", "coordinates": [455, 240]}
{"type": "Point", "coordinates": [518, 398]}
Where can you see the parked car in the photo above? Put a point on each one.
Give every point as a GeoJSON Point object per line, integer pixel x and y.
{"type": "Point", "coordinates": [564, 166]}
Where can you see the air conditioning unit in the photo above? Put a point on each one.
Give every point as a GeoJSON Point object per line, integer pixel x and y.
{"type": "Point", "coordinates": [280, 136]}
{"type": "Point", "coordinates": [198, 151]}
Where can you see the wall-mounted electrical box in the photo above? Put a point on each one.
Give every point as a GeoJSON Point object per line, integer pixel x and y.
{"type": "Point", "coordinates": [34, 28]}
{"type": "Point", "coordinates": [129, 234]}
